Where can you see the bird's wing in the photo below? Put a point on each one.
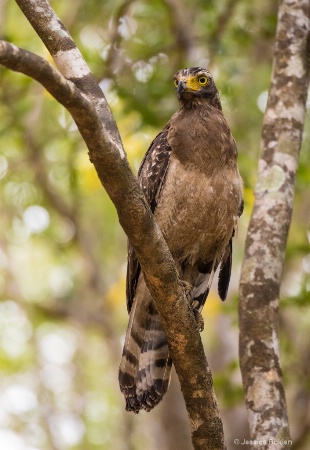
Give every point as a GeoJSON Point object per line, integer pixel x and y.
{"type": "Point", "coordinates": [226, 262]}
{"type": "Point", "coordinates": [225, 272]}
{"type": "Point", "coordinates": [206, 273]}
{"type": "Point", "coordinates": [151, 175]}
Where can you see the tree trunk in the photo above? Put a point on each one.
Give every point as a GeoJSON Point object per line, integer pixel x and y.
{"type": "Point", "coordinates": [268, 229]}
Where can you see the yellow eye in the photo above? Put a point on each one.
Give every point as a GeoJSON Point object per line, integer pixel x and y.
{"type": "Point", "coordinates": [203, 81]}
{"type": "Point", "coordinates": [176, 82]}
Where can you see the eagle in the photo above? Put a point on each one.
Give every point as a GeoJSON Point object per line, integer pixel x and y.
{"type": "Point", "coordinates": [191, 181]}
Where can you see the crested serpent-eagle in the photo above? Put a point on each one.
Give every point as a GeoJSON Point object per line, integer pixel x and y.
{"type": "Point", "coordinates": [191, 181]}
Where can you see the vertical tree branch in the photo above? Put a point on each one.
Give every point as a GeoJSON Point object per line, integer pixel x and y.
{"type": "Point", "coordinates": [181, 18]}
{"type": "Point", "coordinates": [115, 59]}
{"type": "Point", "coordinates": [269, 225]}
{"type": "Point", "coordinates": [221, 24]}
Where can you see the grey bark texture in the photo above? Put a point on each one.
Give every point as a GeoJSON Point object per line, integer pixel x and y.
{"type": "Point", "coordinates": [268, 229]}
{"type": "Point", "coordinates": [76, 89]}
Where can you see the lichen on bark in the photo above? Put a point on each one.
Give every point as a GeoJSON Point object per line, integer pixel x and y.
{"type": "Point", "coordinates": [268, 229]}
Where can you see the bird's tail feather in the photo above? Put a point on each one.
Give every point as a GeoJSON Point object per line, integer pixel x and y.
{"type": "Point", "coordinates": [154, 365]}
{"type": "Point", "coordinates": [145, 368]}
{"type": "Point", "coordinates": [202, 287]}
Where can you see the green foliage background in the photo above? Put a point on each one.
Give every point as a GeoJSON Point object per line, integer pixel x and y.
{"type": "Point", "coordinates": [63, 253]}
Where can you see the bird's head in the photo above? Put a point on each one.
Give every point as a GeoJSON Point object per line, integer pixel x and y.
{"type": "Point", "coordinates": [195, 86]}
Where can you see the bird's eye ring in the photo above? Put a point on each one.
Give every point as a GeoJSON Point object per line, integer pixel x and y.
{"type": "Point", "coordinates": [203, 81]}
{"type": "Point", "coordinates": [176, 82]}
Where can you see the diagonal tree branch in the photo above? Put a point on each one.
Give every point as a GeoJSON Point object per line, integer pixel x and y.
{"type": "Point", "coordinates": [97, 127]}
{"type": "Point", "coordinates": [39, 69]}
{"type": "Point", "coordinates": [68, 59]}
{"type": "Point", "coordinates": [154, 256]}
{"type": "Point", "coordinates": [269, 225]}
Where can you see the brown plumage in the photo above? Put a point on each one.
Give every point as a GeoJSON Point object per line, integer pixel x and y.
{"type": "Point", "coordinates": [190, 178]}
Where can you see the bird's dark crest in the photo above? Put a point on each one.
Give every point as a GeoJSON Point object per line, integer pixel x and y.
{"type": "Point", "coordinates": [190, 71]}
{"type": "Point", "coordinates": [191, 98]}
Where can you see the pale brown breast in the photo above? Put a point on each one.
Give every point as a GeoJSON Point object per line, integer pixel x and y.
{"type": "Point", "coordinates": [197, 212]}
{"type": "Point", "coordinates": [201, 197]}
{"type": "Point", "coordinates": [201, 138]}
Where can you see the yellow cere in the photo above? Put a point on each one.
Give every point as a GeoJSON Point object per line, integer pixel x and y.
{"type": "Point", "coordinates": [194, 83]}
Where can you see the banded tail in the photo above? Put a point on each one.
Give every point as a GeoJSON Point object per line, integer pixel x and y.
{"type": "Point", "coordinates": [145, 368]}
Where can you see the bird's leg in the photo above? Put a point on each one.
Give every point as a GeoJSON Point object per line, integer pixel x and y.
{"type": "Point", "coordinates": [187, 287]}
{"type": "Point", "coordinates": [198, 315]}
